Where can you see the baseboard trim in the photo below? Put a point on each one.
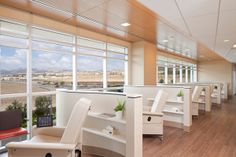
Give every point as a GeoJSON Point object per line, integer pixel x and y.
{"type": "Point", "coordinates": [173, 124]}
{"type": "Point", "coordinates": [177, 125]}
{"type": "Point", "coordinates": [187, 128]}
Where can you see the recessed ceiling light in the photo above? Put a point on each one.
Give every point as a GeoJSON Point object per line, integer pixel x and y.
{"type": "Point", "coordinates": [165, 41]}
{"type": "Point", "coordinates": [126, 24]}
{"type": "Point", "coordinates": [226, 40]}
{"type": "Point", "coordinates": [234, 46]}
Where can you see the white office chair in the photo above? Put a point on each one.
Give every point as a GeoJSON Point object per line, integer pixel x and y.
{"type": "Point", "coordinates": [52, 141]}
{"type": "Point", "coordinates": [195, 100]}
{"type": "Point", "coordinates": [153, 116]}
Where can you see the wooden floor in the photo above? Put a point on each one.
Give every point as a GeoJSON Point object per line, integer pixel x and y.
{"type": "Point", "coordinates": [213, 135]}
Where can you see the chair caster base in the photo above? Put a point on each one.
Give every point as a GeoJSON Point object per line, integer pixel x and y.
{"type": "Point", "coordinates": [161, 138]}
{"type": "Point", "coordinates": [78, 153]}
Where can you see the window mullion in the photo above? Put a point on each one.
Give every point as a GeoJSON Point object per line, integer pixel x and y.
{"type": "Point", "coordinates": [74, 65]}
{"type": "Point", "coordinates": [29, 82]}
{"type": "Point", "coordinates": [105, 69]}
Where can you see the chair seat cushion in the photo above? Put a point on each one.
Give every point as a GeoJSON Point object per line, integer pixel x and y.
{"type": "Point", "coordinates": [45, 139]}
{"type": "Point", "coordinates": [12, 133]}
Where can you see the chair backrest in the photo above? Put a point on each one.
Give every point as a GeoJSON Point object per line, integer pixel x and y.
{"type": "Point", "coordinates": [159, 101]}
{"type": "Point", "coordinates": [196, 93]}
{"type": "Point", "coordinates": [73, 129]}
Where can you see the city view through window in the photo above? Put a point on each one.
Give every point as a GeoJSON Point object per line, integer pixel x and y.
{"type": "Point", "coordinates": [33, 65]}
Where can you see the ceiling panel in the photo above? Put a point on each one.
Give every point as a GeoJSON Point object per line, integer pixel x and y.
{"type": "Point", "coordinates": [203, 28]}
{"type": "Point", "coordinates": [192, 8]}
{"type": "Point", "coordinates": [165, 8]}
{"type": "Point", "coordinates": [179, 23]}
{"type": "Point", "coordinates": [228, 5]}
{"type": "Point", "coordinates": [113, 21]}
{"type": "Point", "coordinates": [170, 39]}
{"type": "Point", "coordinates": [100, 28]}
{"type": "Point", "coordinates": [231, 55]}
{"type": "Point", "coordinates": [226, 31]}
{"type": "Point", "coordinates": [106, 16]}
{"type": "Point", "coordinates": [168, 10]}
{"type": "Point", "coordinates": [200, 17]}
{"type": "Point", "coordinates": [206, 54]}
{"type": "Point", "coordinates": [131, 13]}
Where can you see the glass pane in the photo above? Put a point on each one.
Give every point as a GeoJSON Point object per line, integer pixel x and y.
{"type": "Point", "coordinates": [90, 72]}
{"type": "Point", "coordinates": [161, 74]}
{"type": "Point", "coordinates": [189, 74]}
{"type": "Point", "coordinates": [43, 106]}
{"type": "Point", "coordinates": [177, 74]}
{"type": "Point", "coordinates": [170, 75]}
{"type": "Point", "coordinates": [115, 73]}
{"type": "Point", "coordinates": [90, 51]}
{"type": "Point", "coordinates": [51, 46]}
{"type": "Point", "coordinates": [12, 70]}
{"type": "Point", "coordinates": [183, 74]}
{"type": "Point", "coordinates": [20, 103]}
{"type": "Point", "coordinates": [117, 48]}
{"type": "Point", "coordinates": [51, 71]}
{"type": "Point", "coordinates": [117, 55]}
{"type": "Point", "coordinates": [13, 41]}
{"type": "Point", "coordinates": [13, 27]}
{"type": "Point", "coordinates": [91, 43]}
{"type": "Point", "coordinates": [52, 35]}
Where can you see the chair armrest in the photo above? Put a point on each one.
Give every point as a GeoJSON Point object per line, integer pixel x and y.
{"type": "Point", "coordinates": [153, 114]}
{"type": "Point", "coordinates": [50, 131]}
{"type": "Point", "coordinates": [47, 146]}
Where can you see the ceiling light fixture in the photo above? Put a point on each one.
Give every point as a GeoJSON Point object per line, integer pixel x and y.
{"type": "Point", "coordinates": [234, 46]}
{"type": "Point", "coordinates": [126, 24]}
{"type": "Point", "coordinates": [165, 41]}
{"type": "Point", "coordinates": [226, 40]}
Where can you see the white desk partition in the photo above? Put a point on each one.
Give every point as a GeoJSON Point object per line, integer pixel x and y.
{"type": "Point", "coordinates": [213, 97]}
{"type": "Point", "coordinates": [176, 113]}
{"type": "Point", "coordinates": [224, 91]}
{"type": "Point", "coordinates": [216, 93]}
{"type": "Point", "coordinates": [127, 138]}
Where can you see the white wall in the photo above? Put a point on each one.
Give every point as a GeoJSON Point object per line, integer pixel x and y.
{"type": "Point", "coordinates": [143, 62]}
{"type": "Point", "coordinates": [234, 79]}
{"type": "Point", "coordinates": [216, 71]}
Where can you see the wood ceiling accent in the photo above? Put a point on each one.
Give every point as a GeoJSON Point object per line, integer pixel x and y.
{"type": "Point", "coordinates": [206, 54]}
{"type": "Point", "coordinates": [103, 16]}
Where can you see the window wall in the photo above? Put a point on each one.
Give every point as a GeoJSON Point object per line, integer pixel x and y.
{"type": "Point", "coordinates": [35, 61]}
{"type": "Point", "coordinates": [173, 71]}
{"type": "Point", "coordinates": [117, 65]}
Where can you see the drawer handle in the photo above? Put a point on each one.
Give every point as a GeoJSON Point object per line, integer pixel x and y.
{"type": "Point", "coordinates": [149, 119]}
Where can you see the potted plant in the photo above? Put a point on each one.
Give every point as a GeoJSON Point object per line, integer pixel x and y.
{"type": "Point", "coordinates": [203, 91]}
{"type": "Point", "coordinates": [180, 95]}
{"type": "Point", "coordinates": [119, 109]}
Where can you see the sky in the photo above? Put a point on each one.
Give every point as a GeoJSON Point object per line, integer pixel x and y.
{"type": "Point", "coordinates": [15, 59]}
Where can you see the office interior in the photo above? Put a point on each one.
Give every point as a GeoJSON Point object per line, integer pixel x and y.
{"type": "Point", "coordinates": [117, 78]}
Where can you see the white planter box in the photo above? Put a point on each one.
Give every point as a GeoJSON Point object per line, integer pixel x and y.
{"type": "Point", "coordinates": [119, 115]}
{"type": "Point", "coordinates": [179, 98]}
